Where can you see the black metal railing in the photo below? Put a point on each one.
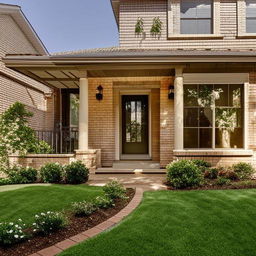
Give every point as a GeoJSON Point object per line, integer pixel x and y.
{"type": "Point", "coordinates": [63, 140]}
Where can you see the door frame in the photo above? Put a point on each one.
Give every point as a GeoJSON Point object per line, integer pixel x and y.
{"type": "Point", "coordinates": [119, 155]}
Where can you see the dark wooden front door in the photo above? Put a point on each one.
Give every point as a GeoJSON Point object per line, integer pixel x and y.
{"type": "Point", "coordinates": [134, 124]}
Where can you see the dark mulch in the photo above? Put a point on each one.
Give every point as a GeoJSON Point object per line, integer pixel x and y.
{"type": "Point", "coordinates": [76, 226]}
{"type": "Point", "coordinates": [212, 186]}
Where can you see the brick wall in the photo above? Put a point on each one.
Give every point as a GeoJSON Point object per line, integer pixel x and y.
{"type": "Point", "coordinates": [13, 41]}
{"type": "Point", "coordinates": [227, 20]}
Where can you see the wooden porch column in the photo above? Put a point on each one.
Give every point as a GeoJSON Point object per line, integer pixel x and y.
{"type": "Point", "coordinates": [178, 109]}
{"type": "Point", "coordinates": [83, 114]}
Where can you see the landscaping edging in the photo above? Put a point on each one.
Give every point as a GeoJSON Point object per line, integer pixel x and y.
{"type": "Point", "coordinates": [67, 243]}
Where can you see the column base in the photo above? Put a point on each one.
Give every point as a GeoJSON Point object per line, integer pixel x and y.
{"type": "Point", "coordinates": [91, 158]}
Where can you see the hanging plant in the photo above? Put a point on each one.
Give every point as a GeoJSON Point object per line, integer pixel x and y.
{"type": "Point", "coordinates": [139, 27]}
{"type": "Point", "coordinates": [156, 28]}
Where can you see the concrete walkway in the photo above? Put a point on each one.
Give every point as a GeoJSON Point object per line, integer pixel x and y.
{"type": "Point", "coordinates": [144, 181]}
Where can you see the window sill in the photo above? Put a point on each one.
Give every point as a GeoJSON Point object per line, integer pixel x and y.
{"type": "Point", "coordinates": [195, 36]}
{"type": "Point", "coordinates": [247, 36]}
{"type": "Point", "coordinates": [213, 152]}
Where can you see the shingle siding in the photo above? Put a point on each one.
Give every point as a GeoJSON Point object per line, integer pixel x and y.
{"type": "Point", "coordinates": [148, 9]}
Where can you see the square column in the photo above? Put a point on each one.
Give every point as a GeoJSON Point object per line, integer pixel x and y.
{"type": "Point", "coordinates": [83, 114]}
{"type": "Point", "coordinates": [178, 109]}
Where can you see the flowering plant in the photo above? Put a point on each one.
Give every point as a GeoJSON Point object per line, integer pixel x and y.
{"type": "Point", "coordinates": [12, 233]}
{"type": "Point", "coordinates": [48, 222]}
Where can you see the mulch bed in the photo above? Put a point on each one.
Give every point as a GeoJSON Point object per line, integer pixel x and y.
{"type": "Point", "coordinates": [233, 185]}
{"type": "Point", "coordinates": [76, 226]}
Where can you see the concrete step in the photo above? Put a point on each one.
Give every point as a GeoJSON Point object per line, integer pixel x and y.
{"type": "Point", "coordinates": [136, 165]}
{"type": "Point", "coordinates": [129, 171]}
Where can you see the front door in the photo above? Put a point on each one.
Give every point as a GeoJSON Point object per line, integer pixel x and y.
{"type": "Point", "coordinates": [135, 124]}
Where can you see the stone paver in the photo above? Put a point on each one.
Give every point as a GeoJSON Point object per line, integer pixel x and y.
{"type": "Point", "coordinates": [61, 246]}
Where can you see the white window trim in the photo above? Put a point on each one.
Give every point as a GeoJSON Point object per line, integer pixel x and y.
{"type": "Point", "coordinates": [241, 21]}
{"type": "Point", "coordinates": [224, 78]}
{"type": "Point", "coordinates": [173, 14]}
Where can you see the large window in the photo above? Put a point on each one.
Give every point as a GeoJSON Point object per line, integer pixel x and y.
{"type": "Point", "coordinates": [250, 16]}
{"type": "Point", "coordinates": [213, 116]}
{"type": "Point", "coordinates": [196, 17]}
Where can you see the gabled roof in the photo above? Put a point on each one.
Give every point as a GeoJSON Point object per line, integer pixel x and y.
{"type": "Point", "coordinates": [116, 8]}
{"type": "Point", "coordinates": [16, 13]}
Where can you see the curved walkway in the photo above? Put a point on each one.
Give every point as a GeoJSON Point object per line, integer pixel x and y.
{"type": "Point", "coordinates": [61, 246]}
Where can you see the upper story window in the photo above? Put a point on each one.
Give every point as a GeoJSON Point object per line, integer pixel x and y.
{"type": "Point", "coordinates": [196, 17]}
{"type": "Point", "coordinates": [250, 16]}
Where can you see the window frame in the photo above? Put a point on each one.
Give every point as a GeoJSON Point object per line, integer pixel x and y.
{"type": "Point", "coordinates": [174, 19]}
{"type": "Point", "coordinates": [198, 18]}
{"type": "Point", "coordinates": [213, 127]}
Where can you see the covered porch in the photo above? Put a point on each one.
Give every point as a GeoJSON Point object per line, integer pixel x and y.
{"type": "Point", "coordinates": [131, 106]}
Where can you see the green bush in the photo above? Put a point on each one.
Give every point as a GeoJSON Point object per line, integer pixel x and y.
{"type": "Point", "coordinates": [76, 173]}
{"type": "Point", "coordinates": [40, 147]}
{"type": "Point", "coordinates": [83, 208]}
{"type": "Point", "coordinates": [103, 202]}
{"type": "Point", "coordinates": [114, 190]}
{"type": "Point", "coordinates": [227, 173]}
{"type": "Point", "coordinates": [5, 181]}
{"type": "Point", "coordinates": [52, 173]}
{"type": "Point", "coordinates": [48, 222]}
{"type": "Point", "coordinates": [221, 181]}
{"type": "Point", "coordinates": [22, 175]}
{"type": "Point", "coordinates": [201, 163]}
{"type": "Point", "coordinates": [243, 170]}
{"type": "Point", "coordinates": [12, 233]}
{"type": "Point", "coordinates": [211, 173]}
{"type": "Point", "coordinates": [184, 174]}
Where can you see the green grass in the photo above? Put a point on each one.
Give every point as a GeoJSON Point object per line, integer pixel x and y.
{"type": "Point", "coordinates": [187, 223]}
{"type": "Point", "coordinates": [24, 203]}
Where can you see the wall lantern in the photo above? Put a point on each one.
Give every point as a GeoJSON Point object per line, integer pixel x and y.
{"type": "Point", "coordinates": [99, 93]}
{"type": "Point", "coordinates": [171, 92]}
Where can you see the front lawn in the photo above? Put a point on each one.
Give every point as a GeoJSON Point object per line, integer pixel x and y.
{"type": "Point", "coordinates": [175, 223]}
{"type": "Point", "coordinates": [24, 203]}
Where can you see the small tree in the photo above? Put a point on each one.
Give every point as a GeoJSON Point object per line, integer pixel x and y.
{"type": "Point", "coordinates": [15, 134]}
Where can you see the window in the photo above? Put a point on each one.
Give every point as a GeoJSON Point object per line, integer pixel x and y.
{"type": "Point", "coordinates": [213, 116]}
{"type": "Point", "coordinates": [196, 17]}
{"type": "Point", "coordinates": [250, 16]}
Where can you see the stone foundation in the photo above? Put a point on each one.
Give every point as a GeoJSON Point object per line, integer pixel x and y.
{"type": "Point", "coordinates": [218, 157]}
{"type": "Point", "coordinates": [91, 158]}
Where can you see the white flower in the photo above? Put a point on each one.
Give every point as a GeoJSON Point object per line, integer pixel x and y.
{"type": "Point", "coordinates": [34, 224]}
{"type": "Point", "coordinates": [36, 216]}
{"type": "Point", "coordinates": [16, 226]}
{"type": "Point", "coordinates": [43, 214]}
{"type": "Point", "coordinates": [21, 237]}
{"type": "Point", "coordinates": [11, 223]}
{"type": "Point", "coordinates": [16, 236]}
{"type": "Point", "coordinates": [11, 231]}
{"type": "Point", "coordinates": [34, 230]}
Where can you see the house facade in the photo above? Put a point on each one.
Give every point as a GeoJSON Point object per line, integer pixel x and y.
{"type": "Point", "coordinates": [180, 85]}
{"type": "Point", "coordinates": [18, 37]}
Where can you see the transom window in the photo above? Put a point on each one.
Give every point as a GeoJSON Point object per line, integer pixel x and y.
{"type": "Point", "coordinates": [213, 116]}
{"type": "Point", "coordinates": [196, 17]}
{"type": "Point", "coordinates": [250, 16]}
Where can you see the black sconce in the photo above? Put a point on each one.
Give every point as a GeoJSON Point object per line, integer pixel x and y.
{"type": "Point", "coordinates": [171, 92]}
{"type": "Point", "coordinates": [99, 93]}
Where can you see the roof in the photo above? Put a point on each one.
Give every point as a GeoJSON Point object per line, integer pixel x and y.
{"type": "Point", "coordinates": [117, 51]}
{"type": "Point", "coordinates": [16, 13]}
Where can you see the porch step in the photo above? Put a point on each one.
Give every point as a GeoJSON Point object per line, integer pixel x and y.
{"type": "Point", "coordinates": [129, 171]}
{"type": "Point", "coordinates": [124, 164]}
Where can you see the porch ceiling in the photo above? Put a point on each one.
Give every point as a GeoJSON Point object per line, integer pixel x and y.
{"type": "Point", "coordinates": [64, 70]}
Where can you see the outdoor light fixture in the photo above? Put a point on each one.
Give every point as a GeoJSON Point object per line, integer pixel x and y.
{"type": "Point", "coordinates": [99, 93]}
{"type": "Point", "coordinates": [171, 92]}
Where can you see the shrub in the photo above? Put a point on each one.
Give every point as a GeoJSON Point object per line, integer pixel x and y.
{"type": "Point", "coordinates": [183, 174]}
{"type": "Point", "coordinates": [48, 222]}
{"type": "Point", "coordinates": [228, 173]}
{"type": "Point", "coordinates": [12, 233]}
{"type": "Point", "coordinates": [243, 170]}
{"type": "Point", "coordinates": [5, 181]}
{"type": "Point", "coordinates": [103, 202]}
{"type": "Point", "coordinates": [211, 173]}
{"type": "Point", "coordinates": [40, 147]}
{"type": "Point", "coordinates": [201, 163]}
{"type": "Point", "coordinates": [83, 208]}
{"type": "Point", "coordinates": [22, 175]}
{"type": "Point", "coordinates": [76, 173]}
{"type": "Point", "coordinates": [114, 190]}
{"type": "Point", "coordinates": [222, 181]}
{"type": "Point", "coordinates": [51, 173]}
